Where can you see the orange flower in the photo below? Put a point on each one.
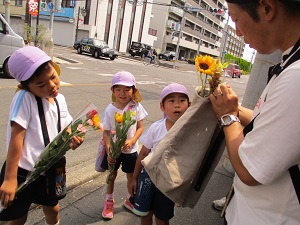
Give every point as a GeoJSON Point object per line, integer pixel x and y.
{"type": "Point", "coordinates": [119, 117]}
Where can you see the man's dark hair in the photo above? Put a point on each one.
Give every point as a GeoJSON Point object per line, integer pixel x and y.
{"type": "Point", "coordinates": [44, 67]}
{"type": "Point", "coordinates": [250, 6]}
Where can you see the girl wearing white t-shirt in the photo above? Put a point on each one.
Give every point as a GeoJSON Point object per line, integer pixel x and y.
{"type": "Point", "coordinates": [125, 97]}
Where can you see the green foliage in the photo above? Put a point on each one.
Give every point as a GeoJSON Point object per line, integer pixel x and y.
{"type": "Point", "coordinates": [244, 64]}
{"type": "Point", "coordinates": [43, 38]}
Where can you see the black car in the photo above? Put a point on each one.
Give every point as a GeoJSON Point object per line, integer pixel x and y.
{"type": "Point", "coordinates": [167, 55]}
{"type": "Point", "coordinates": [139, 49]}
{"type": "Point", "coordinates": [95, 47]}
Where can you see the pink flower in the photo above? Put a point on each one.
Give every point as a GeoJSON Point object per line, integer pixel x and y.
{"type": "Point", "coordinates": [90, 122]}
{"type": "Point", "coordinates": [113, 132]}
{"type": "Point", "coordinates": [81, 128]}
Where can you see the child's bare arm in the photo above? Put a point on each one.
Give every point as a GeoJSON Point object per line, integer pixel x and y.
{"type": "Point", "coordinates": [133, 140]}
{"type": "Point", "coordinates": [10, 184]}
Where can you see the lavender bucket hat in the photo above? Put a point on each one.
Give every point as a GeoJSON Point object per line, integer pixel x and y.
{"type": "Point", "coordinates": [173, 88]}
{"type": "Point", "coordinates": [24, 62]}
{"type": "Point", "coordinates": [126, 79]}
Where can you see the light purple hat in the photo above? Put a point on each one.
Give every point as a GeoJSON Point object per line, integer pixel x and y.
{"type": "Point", "coordinates": [173, 88]}
{"type": "Point", "coordinates": [127, 79]}
{"type": "Point", "coordinates": [25, 61]}
{"type": "Point", "coordinates": [123, 78]}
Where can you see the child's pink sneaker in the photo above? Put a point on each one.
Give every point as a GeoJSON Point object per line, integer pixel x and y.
{"type": "Point", "coordinates": [108, 210]}
{"type": "Point", "coordinates": [128, 205]}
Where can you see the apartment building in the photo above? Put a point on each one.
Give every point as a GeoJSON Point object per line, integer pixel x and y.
{"type": "Point", "coordinates": [118, 22]}
{"type": "Point", "coordinates": [201, 30]}
{"type": "Point", "coordinates": [232, 43]}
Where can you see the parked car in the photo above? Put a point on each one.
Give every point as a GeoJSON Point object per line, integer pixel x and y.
{"type": "Point", "coordinates": [233, 70]}
{"type": "Point", "coordinates": [167, 55]}
{"type": "Point", "coordinates": [139, 49]}
{"type": "Point", "coordinates": [95, 47]}
{"type": "Point", "coordinates": [9, 42]}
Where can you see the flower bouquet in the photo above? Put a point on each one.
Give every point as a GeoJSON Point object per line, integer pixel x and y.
{"type": "Point", "coordinates": [184, 160]}
{"type": "Point", "coordinates": [57, 148]}
{"type": "Point", "coordinates": [213, 70]}
{"type": "Point", "coordinates": [118, 137]}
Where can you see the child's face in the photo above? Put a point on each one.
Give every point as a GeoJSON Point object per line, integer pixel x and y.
{"type": "Point", "coordinates": [122, 93]}
{"type": "Point", "coordinates": [46, 85]}
{"type": "Point", "coordinates": [175, 104]}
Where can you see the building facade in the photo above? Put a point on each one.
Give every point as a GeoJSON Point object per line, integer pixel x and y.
{"type": "Point", "coordinates": [232, 44]}
{"type": "Point", "coordinates": [201, 31]}
{"type": "Point", "coordinates": [119, 22]}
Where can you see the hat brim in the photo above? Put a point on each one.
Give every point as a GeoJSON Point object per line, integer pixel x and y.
{"type": "Point", "coordinates": [57, 68]}
{"type": "Point", "coordinates": [137, 97]}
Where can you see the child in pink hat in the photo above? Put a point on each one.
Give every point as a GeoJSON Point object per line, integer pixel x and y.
{"type": "Point", "coordinates": [39, 82]}
{"type": "Point", "coordinates": [149, 200]}
{"type": "Point", "coordinates": [125, 97]}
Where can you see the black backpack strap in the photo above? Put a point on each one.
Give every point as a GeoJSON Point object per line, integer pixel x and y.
{"type": "Point", "coordinates": [58, 115]}
{"type": "Point", "coordinates": [43, 121]}
{"type": "Point", "coordinates": [295, 175]}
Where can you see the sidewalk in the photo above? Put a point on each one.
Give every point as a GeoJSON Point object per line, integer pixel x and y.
{"type": "Point", "coordinates": [86, 190]}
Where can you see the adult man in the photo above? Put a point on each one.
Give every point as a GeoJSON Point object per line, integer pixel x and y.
{"type": "Point", "coordinates": [264, 190]}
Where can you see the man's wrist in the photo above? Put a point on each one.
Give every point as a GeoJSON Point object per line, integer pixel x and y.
{"type": "Point", "coordinates": [227, 120]}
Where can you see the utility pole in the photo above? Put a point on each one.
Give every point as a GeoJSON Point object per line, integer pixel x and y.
{"type": "Point", "coordinates": [37, 24]}
{"type": "Point", "coordinates": [7, 11]}
{"type": "Point", "coordinates": [179, 37]}
{"type": "Point", "coordinates": [201, 33]}
{"type": "Point", "coordinates": [225, 40]}
{"type": "Point", "coordinates": [76, 31]}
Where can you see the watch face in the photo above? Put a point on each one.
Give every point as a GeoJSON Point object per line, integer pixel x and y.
{"type": "Point", "coordinates": [227, 119]}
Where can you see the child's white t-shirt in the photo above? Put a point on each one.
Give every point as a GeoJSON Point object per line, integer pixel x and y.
{"type": "Point", "coordinates": [24, 111]}
{"type": "Point", "coordinates": [154, 134]}
{"type": "Point", "coordinates": [108, 120]}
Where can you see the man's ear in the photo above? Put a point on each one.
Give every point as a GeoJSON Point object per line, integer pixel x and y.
{"type": "Point", "coordinates": [269, 8]}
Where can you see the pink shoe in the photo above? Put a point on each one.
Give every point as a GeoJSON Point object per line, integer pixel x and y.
{"type": "Point", "coordinates": [128, 205]}
{"type": "Point", "coordinates": [108, 210]}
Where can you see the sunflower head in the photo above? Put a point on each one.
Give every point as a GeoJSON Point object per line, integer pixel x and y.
{"type": "Point", "coordinates": [205, 64]}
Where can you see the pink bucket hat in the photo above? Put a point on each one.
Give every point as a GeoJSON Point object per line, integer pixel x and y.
{"type": "Point", "coordinates": [126, 79]}
{"type": "Point", "coordinates": [173, 88]}
{"type": "Point", "coordinates": [25, 61]}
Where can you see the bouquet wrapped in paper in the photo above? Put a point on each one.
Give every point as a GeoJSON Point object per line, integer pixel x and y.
{"type": "Point", "coordinates": [118, 137]}
{"type": "Point", "coordinates": [184, 160]}
{"type": "Point", "coordinates": [86, 119]}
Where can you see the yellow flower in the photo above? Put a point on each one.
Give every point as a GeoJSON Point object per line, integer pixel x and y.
{"type": "Point", "coordinates": [133, 113]}
{"type": "Point", "coordinates": [96, 120]}
{"type": "Point", "coordinates": [119, 117]}
{"type": "Point", "coordinates": [206, 64]}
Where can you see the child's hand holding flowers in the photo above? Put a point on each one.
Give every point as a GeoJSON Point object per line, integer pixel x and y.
{"type": "Point", "coordinates": [118, 138]}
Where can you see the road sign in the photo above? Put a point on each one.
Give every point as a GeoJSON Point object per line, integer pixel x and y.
{"type": "Point", "coordinates": [50, 5]}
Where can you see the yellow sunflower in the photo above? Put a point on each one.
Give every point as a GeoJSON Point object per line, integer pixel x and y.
{"type": "Point", "coordinates": [205, 64]}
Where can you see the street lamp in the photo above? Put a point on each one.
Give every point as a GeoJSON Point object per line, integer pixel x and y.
{"type": "Point", "coordinates": [83, 13]}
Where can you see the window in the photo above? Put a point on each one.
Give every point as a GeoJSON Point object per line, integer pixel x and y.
{"type": "Point", "coordinates": [152, 32]}
{"type": "Point", "coordinates": [18, 2]}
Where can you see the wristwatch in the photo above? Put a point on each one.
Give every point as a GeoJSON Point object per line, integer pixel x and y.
{"type": "Point", "coordinates": [227, 120]}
